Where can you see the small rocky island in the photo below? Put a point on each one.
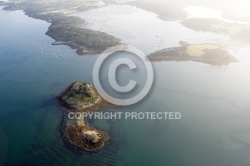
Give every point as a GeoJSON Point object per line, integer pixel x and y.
{"type": "Point", "coordinates": [82, 97]}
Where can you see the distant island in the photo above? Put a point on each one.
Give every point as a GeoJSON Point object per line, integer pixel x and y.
{"type": "Point", "coordinates": [206, 53]}
{"type": "Point", "coordinates": [236, 31]}
{"type": "Point", "coordinates": [166, 10]}
{"type": "Point", "coordinates": [209, 53]}
{"type": "Point", "coordinates": [71, 31]}
{"type": "Point", "coordinates": [2, 3]}
{"type": "Point", "coordinates": [82, 97]}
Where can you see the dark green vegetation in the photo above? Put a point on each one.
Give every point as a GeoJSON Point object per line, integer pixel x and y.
{"type": "Point", "coordinates": [64, 28]}
{"type": "Point", "coordinates": [70, 29]}
{"type": "Point", "coordinates": [80, 93]}
{"type": "Point", "coordinates": [78, 96]}
{"type": "Point", "coordinates": [82, 97]}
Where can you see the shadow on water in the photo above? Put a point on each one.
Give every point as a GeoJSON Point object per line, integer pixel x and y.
{"type": "Point", "coordinates": [48, 103]}
{"type": "Point", "coordinates": [4, 147]}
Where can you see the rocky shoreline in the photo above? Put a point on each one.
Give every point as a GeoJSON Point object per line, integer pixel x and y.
{"type": "Point", "coordinates": [77, 133]}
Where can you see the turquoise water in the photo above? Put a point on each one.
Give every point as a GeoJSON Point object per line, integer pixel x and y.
{"type": "Point", "coordinates": [214, 102]}
{"type": "Point", "coordinates": [31, 73]}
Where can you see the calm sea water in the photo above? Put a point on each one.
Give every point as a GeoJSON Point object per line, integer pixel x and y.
{"type": "Point", "coordinates": [126, 22]}
{"type": "Point", "coordinates": [214, 102]}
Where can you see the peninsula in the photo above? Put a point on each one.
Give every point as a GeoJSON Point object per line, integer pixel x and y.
{"type": "Point", "coordinates": [208, 53]}
{"type": "Point", "coordinates": [66, 29]}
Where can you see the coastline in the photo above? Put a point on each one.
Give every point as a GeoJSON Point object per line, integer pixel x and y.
{"type": "Point", "coordinates": [67, 30]}
{"type": "Point", "coordinates": [207, 53]}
